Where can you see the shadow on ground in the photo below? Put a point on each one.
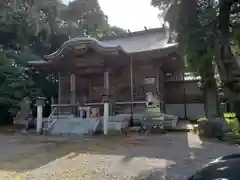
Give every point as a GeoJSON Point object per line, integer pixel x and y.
{"type": "Point", "coordinates": [168, 155]}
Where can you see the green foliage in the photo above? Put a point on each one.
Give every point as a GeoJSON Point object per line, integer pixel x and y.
{"type": "Point", "coordinates": [208, 35]}
{"type": "Point", "coordinates": [234, 125]}
{"type": "Point", "coordinates": [231, 122]}
{"type": "Point", "coordinates": [196, 39]}
{"type": "Point", "coordinates": [31, 29]}
{"type": "Point", "coordinates": [198, 25]}
{"type": "Point", "coordinates": [15, 84]}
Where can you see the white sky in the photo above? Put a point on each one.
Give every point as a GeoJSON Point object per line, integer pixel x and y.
{"type": "Point", "coordinates": [130, 14]}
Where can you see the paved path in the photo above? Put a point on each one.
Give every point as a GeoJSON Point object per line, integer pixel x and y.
{"type": "Point", "coordinates": [136, 157]}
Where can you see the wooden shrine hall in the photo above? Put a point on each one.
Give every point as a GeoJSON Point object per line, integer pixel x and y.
{"type": "Point", "coordinates": [129, 72]}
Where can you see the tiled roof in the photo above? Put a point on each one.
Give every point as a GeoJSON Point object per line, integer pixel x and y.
{"type": "Point", "coordinates": [84, 42]}
{"type": "Point", "coordinates": [142, 42]}
{"type": "Point", "coordinates": [136, 42]}
{"type": "Point", "coordinates": [135, 33]}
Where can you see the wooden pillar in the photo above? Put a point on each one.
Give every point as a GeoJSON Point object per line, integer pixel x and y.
{"type": "Point", "coordinates": [106, 81]}
{"type": "Point", "coordinates": [131, 83]}
{"type": "Point", "coordinates": [59, 88]}
{"type": "Point", "coordinates": [157, 82]}
{"type": "Point", "coordinates": [157, 89]}
{"type": "Point", "coordinates": [184, 98]}
{"type": "Point", "coordinates": [52, 102]}
{"type": "Point", "coordinates": [106, 102]}
{"type": "Point", "coordinates": [59, 93]}
{"type": "Point", "coordinates": [89, 88]}
{"type": "Point", "coordinates": [73, 89]}
{"type": "Point", "coordinates": [157, 85]}
{"type": "Point", "coordinates": [131, 89]}
{"type": "Point", "coordinates": [161, 89]}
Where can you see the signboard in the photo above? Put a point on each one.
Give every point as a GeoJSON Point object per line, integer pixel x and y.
{"type": "Point", "coordinates": [149, 80]}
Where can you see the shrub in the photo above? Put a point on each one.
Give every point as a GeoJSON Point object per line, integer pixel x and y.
{"type": "Point", "coordinates": [210, 128]}
{"type": "Point", "coordinates": [233, 124]}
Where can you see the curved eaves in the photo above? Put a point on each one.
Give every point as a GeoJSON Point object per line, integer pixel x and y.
{"type": "Point", "coordinates": [85, 42]}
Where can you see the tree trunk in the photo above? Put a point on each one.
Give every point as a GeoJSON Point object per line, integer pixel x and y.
{"type": "Point", "coordinates": [211, 103]}
{"type": "Point", "coordinates": [223, 50]}
{"type": "Point", "coordinates": [211, 94]}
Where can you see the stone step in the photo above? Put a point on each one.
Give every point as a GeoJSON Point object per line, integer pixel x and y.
{"type": "Point", "coordinates": [61, 116]}
{"type": "Point", "coordinates": [63, 113]}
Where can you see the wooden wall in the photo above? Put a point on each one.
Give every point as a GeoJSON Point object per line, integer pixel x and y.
{"type": "Point", "coordinates": [174, 92]}
{"type": "Point", "coordinates": [193, 93]}
{"type": "Point", "coordinates": [143, 73]}
{"type": "Point", "coordinates": [64, 88]}
{"type": "Point", "coordinates": [120, 84]}
{"type": "Point", "coordinates": [91, 87]}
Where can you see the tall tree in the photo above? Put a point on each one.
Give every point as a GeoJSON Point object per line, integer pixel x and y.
{"type": "Point", "coordinates": [85, 18]}
{"type": "Point", "coordinates": [21, 24]}
{"type": "Point", "coordinates": [30, 29]}
{"type": "Point", "coordinates": [204, 36]}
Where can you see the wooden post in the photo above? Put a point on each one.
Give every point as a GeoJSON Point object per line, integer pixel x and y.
{"type": "Point", "coordinates": [52, 102]}
{"type": "Point", "coordinates": [73, 93]}
{"type": "Point", "coordinates": [157, 82]}
{"type": "Point", "coordinates": [106, 81]}
{"type": "Point", "coordinates": [106, 102]}
{"type": "Point", "coordinates": [59, 92]}
{"type": "Point", "coordinates": [131, 87]}
{"type": "Point", "coordinates": [131, 78]}
{"type": "Point", "coordinates": [184, 97]}
{"type": "Point", "coordinates": [89, 88]}
{"type": "Point", "coordinates": [162, 89]}
{"type": "Point", "coordinates": [157, 88]}
{"type": "Point", "coordinates": [73, 87]}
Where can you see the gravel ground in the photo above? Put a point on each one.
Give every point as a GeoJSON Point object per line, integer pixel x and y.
{"type": "Point", "coordinates": [153, 157]}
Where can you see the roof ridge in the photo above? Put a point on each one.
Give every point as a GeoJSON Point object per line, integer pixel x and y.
{"type": "Point", "coordinates": [135, 33]}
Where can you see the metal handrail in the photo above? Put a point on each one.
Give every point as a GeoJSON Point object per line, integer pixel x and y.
{"type": "Point", "coordinates": [55, 120]}
{"type": "Point", "coordinates": [49, 126]}
{"type": "Point", "coordinates": [49, 117]}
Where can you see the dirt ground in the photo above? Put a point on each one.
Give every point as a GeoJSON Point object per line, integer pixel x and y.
{"type": "Point", "coordinates": [153, 157]}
